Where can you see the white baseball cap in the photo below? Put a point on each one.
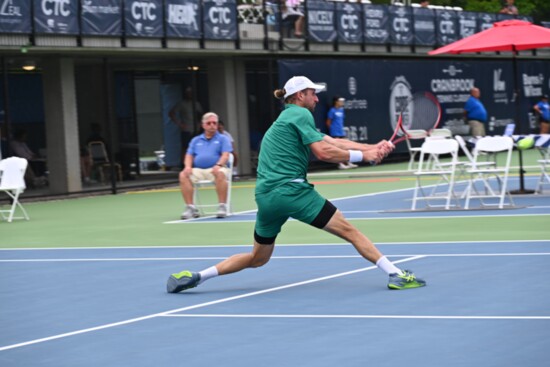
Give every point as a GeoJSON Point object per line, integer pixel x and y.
{"type": "Point", "coordinates": [299, 83]}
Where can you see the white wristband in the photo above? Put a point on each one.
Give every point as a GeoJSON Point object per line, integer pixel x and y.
{"type": "Point", "coordinates": [355, 156]}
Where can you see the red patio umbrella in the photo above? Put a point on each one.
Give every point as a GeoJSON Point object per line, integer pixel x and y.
{"type": "Point", "coordinates": [508, 35]}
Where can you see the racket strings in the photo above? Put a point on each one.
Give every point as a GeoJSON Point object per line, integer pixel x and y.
{"type": "Point", "coordinates": [424, 113]}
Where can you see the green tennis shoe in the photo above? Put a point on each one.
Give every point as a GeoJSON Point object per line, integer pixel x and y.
{"type": "Point", "coordinates": [178, 282]}
{"type": "Point", "coordinates": [406, 280]}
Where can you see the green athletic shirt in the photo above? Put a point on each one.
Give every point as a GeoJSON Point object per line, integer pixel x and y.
{"type": "Point", "coordinates": [284, 152]}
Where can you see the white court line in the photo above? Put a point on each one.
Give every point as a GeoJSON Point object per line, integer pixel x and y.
{"type": "Point", "coordinates": [296, 257]}
{"type": "Point", "coordinates": [484, 242]}
{"type": "Point", "coordinates": [429, 317]}
{"type": "Point", "coordinates": [200, 305]}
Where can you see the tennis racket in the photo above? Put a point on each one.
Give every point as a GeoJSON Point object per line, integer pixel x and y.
{"type": "Point", "coordinates": [421, 111]}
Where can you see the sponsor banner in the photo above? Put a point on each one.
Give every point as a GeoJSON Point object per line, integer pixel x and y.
{"type": "Point", "coordinates": [56, 16]}
{"type": "Point", "coordinates": [373, 90]}
{"type": "Point", "coordinates": [143, 18]}
{"type": "Point", "coordinates": [183, 18]}
{"type": "Point", "coordinates": [447, 26]}
{"type": "Point", "coordinates": [401, 25]}
{"type": "Point", "coordinates": [505, 17]}
{"type": "Point", "coordinates": [485, 21]}
{"type": "Point", "coordinates": [15, 16]}
{"type": "Point", "coordinates": [320, 21]}
{"type": "Point", "coordinates": [424, 26]}
{"type": "Point", "coordinates": [377, 22]}
{"type": "Point", "coordinates": [349, 23]}
{"type": "Point", "coordinates": [101, 17]}
{"type": "Point", "coordinates": [220, 19]}
{"type": "Point", "coordinates": [527, 18]}
{"type": "Point", "coordinates": [467, 24]}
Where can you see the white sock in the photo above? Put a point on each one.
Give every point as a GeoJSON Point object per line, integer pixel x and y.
{"type": "Point", "coordinates": [386, 265]}
{"type": "Point", "coordinates": [206, 274]}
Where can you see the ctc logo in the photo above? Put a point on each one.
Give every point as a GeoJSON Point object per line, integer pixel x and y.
{"type": "Point", "coordinates": [401, 24]}
{"type": "Point", "coordinates": [56, 7]}
{"type": "Point", "coordinates": [144, 10]}
{"type": "Point", "coordinates": [349, 21]}
{"type": "Point", "coordinates": [219, 15]}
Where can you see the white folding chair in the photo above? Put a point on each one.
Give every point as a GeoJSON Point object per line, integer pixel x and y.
{"type": "Point", "coordinates": [471, 163]}
{"type": "Point", "coordinates": [413, 151]}
{"type": "Point", "coordinates": [206, 183]}
{"type": "Point", "coordinates": [12, 182]}
{"type": "Point", "coordinates": [490, 145]}
{"type": "Point", "coordinates": [544, 178]}
{"type": "Point", "coordinates": [441, 133]}
{"type": "Point", "coordinates": [446, 175]}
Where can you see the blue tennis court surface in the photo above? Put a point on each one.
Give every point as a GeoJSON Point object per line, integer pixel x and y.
{"type": "Point", "coordinates": [486, 304]}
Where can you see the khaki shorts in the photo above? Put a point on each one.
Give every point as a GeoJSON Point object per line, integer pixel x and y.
{"type": "Point", "coordinates": [477, 128]}
{"type": "Point", "coordinates": [205, 174]}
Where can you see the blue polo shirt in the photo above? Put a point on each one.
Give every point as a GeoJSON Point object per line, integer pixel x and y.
{"type": "Point", "coordinates": [206, 152]}
{"type": "Point", "coordinates": [544, 111]}
{"type": "Point", "coordinates": [475, 110]}
{"type": "Point", "coordinates": [336, 115]}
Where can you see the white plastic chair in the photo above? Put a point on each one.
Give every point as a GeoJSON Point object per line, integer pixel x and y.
{"type": "Point", "coordinates": [413, 151]}
{"type": "Point", "coordinates": [205, 183]}
{"type": "Point", "coordinates": [441, 133]}
{"type": "Point", "coordinates": [544, 178]}
{"type": "Point", "coordinates": [490, 145]}
{"type": "Point", "coordinates": [12, 182]}
{"type": "Point", "coordinates": [436, 147]}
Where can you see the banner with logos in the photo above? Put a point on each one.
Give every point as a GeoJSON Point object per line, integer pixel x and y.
{"type": "Point", "coordinates": [377, 22]}
{"type": "Point", "coordinates": [467, 24]}
{"type": "Point", "coordinates": [372, 87]}
{"type": "Point", "coordinates": [143, 18]}
{"type": "Point", "coordinates": [534, 79]}
{"type": "Point", "coordinates": [183, 18]}
{"type": "Point", "coordinates": [101, 17]}
{"type": "Point", "coordinates": [424, 26]}
{"type": "Point", "coordinates": [485, 21]}
{"type": "Point", "coordinates": [15, 16]}
{"type": "Point", "coordinates": [349, 23]}
{"type": "Point", "coordinates": [447, 26]}
{"type": "Point", "coordinates": [320, 21]}
{"type": "Point", "coordinates": [59, 17]}
{"type": "Point", "coordinates": [401, 25]}
{"type": "Point", "coordinates": [220, 19]}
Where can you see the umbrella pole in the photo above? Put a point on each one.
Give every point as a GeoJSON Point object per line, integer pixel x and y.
{"type": "Point", "coordinates": [522, 189]}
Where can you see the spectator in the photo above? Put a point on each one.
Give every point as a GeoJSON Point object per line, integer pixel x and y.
{"type": "Point", "coordinates": [424, 4]}
{"type": "Point", "coordinates": [509, 8]}
{"type": "Point", "coordinates": [34, 175]}
{"type": "Point", "coordinates": [185, 116]}
{"type": "Point", "coordinates": [475, 113]}
{"type": "Point", "coordinates": [290, 11]}
{"type": "Point", "coordinates": [221, 130]}
{"type": "Point", "coordinates": [543, 111]}
{"type": "Point", "coordinates": [335, 125]}
{"type": "Point", "coordinates": [206, 159]}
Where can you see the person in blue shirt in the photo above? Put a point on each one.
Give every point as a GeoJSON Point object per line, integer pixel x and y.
{"type": "Point", "coordinates": [543, 110]}
{"type": "Point", "coordinates": [206, 159]}
{"type": "Point", "coordinates": [475, 113]}
{"type": "Point", "coordinates": [335, 125]}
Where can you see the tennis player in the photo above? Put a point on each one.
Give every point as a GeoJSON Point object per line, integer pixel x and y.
{"type": "Point", "coordinates": [282, 190]}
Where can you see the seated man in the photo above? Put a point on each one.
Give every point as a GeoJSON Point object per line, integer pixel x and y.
{"type": "Point", "coordinates": [34, 175]}
{"type": "Point", "coordinates": [206, 159]}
